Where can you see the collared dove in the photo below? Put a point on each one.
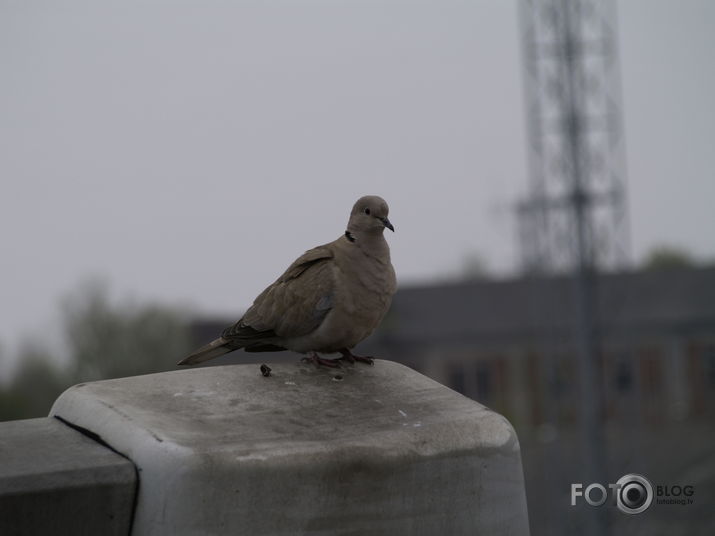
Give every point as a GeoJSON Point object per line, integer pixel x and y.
{"type": "Point", "coordinates": [331, 298]}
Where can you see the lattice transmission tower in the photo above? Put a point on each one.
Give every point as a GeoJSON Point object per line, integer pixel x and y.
{"type": "Point", "coordinates": [575, 211]}
{"type": "Point", "coordinates": [574, 218]}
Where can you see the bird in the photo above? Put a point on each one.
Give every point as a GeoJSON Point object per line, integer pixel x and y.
{"type": "Point", "coordinates": [327, 301]}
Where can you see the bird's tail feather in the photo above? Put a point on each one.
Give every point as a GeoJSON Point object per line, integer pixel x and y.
{"type": "Point", "coordinates": [213, 349]}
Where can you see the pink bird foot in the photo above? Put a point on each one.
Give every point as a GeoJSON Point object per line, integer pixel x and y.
{"type": "Point", "coordinates": [313, 357]}
{"type": "Point", "coordinates": [349, 356]}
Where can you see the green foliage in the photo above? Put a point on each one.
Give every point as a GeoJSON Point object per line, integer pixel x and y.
{"type": "Point", "coordinates": [475, 268]}
{"type": "Point", "coordinates": [667, 258]}
{"type": "Point", "coordinates": [104, 340]}
{"type": "Point", "coordinates": [35, 386]}
{"type": "Point", "coordinates": [114, 340]}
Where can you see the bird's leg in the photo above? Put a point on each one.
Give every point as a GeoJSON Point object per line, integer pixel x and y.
{"type": "Point", "coordinates": [347, 354]}
{"type": "Point", "coordinates": [313, 357]}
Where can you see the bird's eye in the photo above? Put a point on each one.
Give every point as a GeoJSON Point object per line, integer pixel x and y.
{"type": "Point", "coordinates": [367, 211]}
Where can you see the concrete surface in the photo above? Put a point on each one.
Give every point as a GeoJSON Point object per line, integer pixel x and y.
{"type": "Point", "coordinates": [378, 450]}
{"type": "Point", "coordinates": [54, 480]}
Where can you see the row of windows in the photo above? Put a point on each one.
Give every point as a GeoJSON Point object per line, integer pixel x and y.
{"type": "Point", "coordinates": [641, 374]}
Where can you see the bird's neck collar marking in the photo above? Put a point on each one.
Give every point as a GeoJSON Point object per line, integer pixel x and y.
{"type": "Point", "coordinates": [349, 236]}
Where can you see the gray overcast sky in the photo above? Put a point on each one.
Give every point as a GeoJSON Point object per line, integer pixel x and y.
{"type": "Point", "coordinates": [188, 151]}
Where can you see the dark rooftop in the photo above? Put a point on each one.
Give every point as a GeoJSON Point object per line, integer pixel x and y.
{"type": "Point", "coordinates": [631, 303]}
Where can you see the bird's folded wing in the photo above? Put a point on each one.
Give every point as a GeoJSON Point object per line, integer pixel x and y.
{"type": "Point", "coordinates": [295, 304]}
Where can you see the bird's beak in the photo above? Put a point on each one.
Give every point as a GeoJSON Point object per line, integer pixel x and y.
{"type": "Point", "coordinates": [387, 224]}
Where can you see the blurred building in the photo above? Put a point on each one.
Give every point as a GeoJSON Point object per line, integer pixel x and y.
{"type": "Point", "coordinates": [510, 344]}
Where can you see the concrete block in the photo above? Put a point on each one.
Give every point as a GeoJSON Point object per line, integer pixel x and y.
{"type": "Point", "coordinates": [360, 450]}
{"type": "Point", "coordinates": [54, 480]}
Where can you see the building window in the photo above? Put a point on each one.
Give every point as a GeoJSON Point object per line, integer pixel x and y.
{"type": "Point", "coordinates": [651, 376]}
{"type": "Point", "coordinates": [456, 378]}
{"type": "Point", "coordinates": [483, 382]}
{"type": "Point", "coordinates": [559, 376]}
{"type": "Point", "coordinates": [709, 365]}
{"type": "Point", "coordinates": [624, 375]}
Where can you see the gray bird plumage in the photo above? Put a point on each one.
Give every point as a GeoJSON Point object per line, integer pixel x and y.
{"type": "Point", "coordinates": [331, 298]}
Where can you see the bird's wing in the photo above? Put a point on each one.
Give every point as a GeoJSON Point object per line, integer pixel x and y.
{"type": "Point", "coordinates": [294, 305]}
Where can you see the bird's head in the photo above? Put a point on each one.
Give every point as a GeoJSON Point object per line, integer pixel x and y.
{"type": "Point", "coordinates": [369, 215]}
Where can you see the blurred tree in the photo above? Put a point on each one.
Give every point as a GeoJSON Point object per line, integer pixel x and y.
{"type": "Point", "coordinates": [475, 268]}
{"type": "Point", "coordinates": [109, 340]}
{"type": "Point", "coordinates": [104, 340]}
{"type": "Point", "coordinates": [667, 258]}
{"type": "Point", "coordinates": [35, 386]}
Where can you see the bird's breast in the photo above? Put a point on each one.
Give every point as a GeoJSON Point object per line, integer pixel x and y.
{"type": "Point", "coordinates": [367, 296]}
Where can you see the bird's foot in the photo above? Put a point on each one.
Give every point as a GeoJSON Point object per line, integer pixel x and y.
{"type": "Point", "coordinates": [349, 356]}
{"type": "Point", "coordinates": [313, 357]}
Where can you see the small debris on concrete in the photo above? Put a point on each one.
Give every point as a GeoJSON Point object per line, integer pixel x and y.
{"type": "Point", "coordinates": [265, 370]}
{"type": "Point", "coordinates": [338, 378]}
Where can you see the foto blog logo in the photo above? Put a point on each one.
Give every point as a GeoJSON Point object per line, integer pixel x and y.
{"type": "Point", "coordinates": [633, 493]}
